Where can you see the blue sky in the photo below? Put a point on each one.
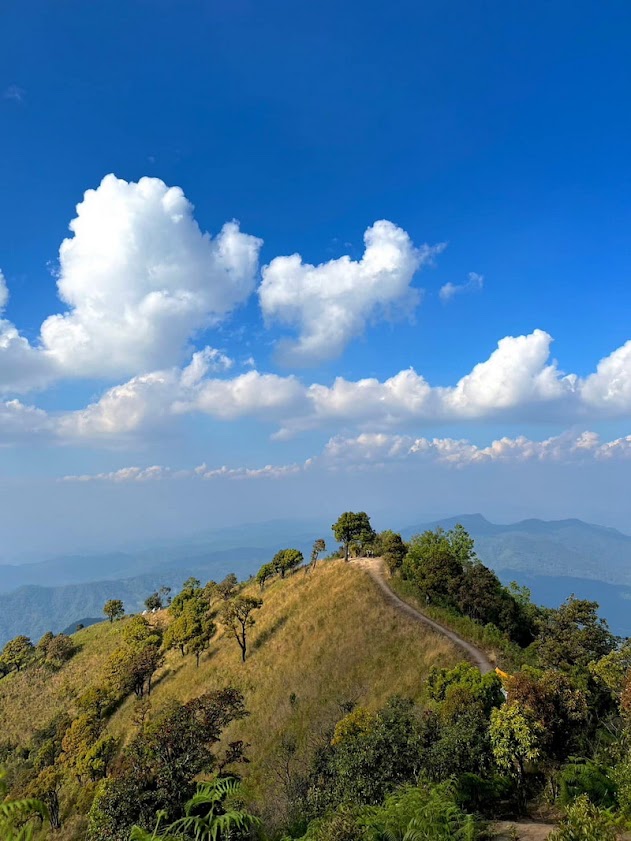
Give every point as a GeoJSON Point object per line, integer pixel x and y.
{"type": "Point", "coordinates": [493, 139]}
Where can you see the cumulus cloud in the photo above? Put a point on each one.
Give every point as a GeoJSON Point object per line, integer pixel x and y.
{"type": "Point", "coordinates": [516, 373]}
{"type": "Point", "coordinates": [377, 449]}
{"type": "Point", "coordinates": [517, 382]}
{"type": "Point", "coordinates": [152, 400]}
{"type": "Point", "coordinates": [609, 388]}
{"type": "Point", "coordinates": [140, 278]}
{"type": "Point", "coordinates": [474, 283]}
{"type": "Point", "coordinates": [331, 303]}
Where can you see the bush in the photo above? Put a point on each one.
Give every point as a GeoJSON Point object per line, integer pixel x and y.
{"type": "Point", "coordinates": [587, 778]}
{"type": "Point", "coordinates": [585, 822]}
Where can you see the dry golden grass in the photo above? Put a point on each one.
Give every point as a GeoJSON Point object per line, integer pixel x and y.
{"type": "Point", "coordinates": [326, 638]}
{"type": "Point", "coordinates": [29, 699]}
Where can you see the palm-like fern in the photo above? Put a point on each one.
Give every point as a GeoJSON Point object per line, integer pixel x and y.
{"type": "Point", "coordinates": [420, 813]}
{"type": "Point", "coordinates": [215, 823]}
{"type": "Point", "coordinates": [16, 822]}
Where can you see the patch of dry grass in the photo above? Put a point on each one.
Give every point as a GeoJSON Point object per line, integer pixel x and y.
{"type": "Point", "coordinates": [29, 699]}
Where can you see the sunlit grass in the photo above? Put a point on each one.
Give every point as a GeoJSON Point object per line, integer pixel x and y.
{"type": "Point", "coordinates": [320, 640]}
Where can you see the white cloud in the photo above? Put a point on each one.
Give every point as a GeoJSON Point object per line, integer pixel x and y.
{"type": "Point", "coordinates": [515, 374]}
{"type": "Point", "coordinates": [331, 303]}
{"type": "Point", "coordinates": [21, 423]}
{"type": "Point", "coordinates": [140, 278]}
{"type": "Point", "coordinates": [516, 383]}
{"type": "Point", "coordinates": [609, 388]}
{"type": "Point", "coordinates": [474, 283]}
{"type": "Point", "coordinates": [375, 450]}
{"type": "Point", "coordinates": [378, 449]}
{"type": "Point", "coordinates": [145, 474]}
{"type": "Point", "coordinates": [152, 400]}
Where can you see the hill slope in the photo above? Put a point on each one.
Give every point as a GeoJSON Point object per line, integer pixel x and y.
{"type": "Point", "coordinates": [320, 640]}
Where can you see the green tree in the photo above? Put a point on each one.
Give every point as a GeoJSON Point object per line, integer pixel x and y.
{"type": "Point", "coordinates": [94, 763]}
{"type": "Point", "coordinates": [154, 601]}
{"type": "Point", "coordinates": [319, 546]}
{"type": "Point", "coordinates": [265, 572]}
{"type": "Point", "coordinates": [60, 649]}
{"type": "Point", "coordinates": [17, 653]}
{"type": "Point", "coordinates": [516, 742]}
{"type": "Point", "coordinates": [573, 635]}
{"type": "Point", "coordinates": [560, 706]}
{"type": "Point", "coordinates": [192, 630]}
{"type": "Point", "coordinates": [228, 587]}
{"type": "Point", "coordinates": [392, 548]}
{"type": "Point", "coordinates": [42, 645]}
{"type": "Point", "coordinates": [237, 615]}
{"type": "Point", "coordinates": [46, 788]}
{"type": "Point", "coordinates": [191, 589]}
{"type": "Point", "coordinates": [286, 560]}
{"type": "Point", "coordinates": [433, 565]}
{"type": "Point", "coordinates": [113, 609]}
{"type": "Point", "coordinates": [351, 527]}
{"type": "Point", "coordinates": [157, 769]}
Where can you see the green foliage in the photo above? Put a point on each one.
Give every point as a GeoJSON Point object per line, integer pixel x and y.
{"type": "Point", "coordinates": [392, 549]}
{"type": "Point", "coordinates": [266, 571]}
{"type": "Point", "coordinates": [560, 707]}
{"type": "Point", "coordinates": [589, 778]}
{"type": "Point", "coordinates": [237, 616]}
{"type": "Point", "coordinates": [60, 649]}
{"type": "Point", "coordinates": [421, 813]}
{"type": "Point", "coordinates": [206, 817]}
{"type": "Point", "coordinates": [17, 653]}
{"type": "Point", "coordinates": [157, 768]}
{"type": "Point", "coordinates": [191, 589]}
{"type": "Point", "coordinates": [352, 528]}
{"type": "Point", "coordinates": [113, 609]}
{"type": "Point", "coordinates": [19, 818]}
{"type": "Point", "coordinates": [285, 560]}
{"type": "Point", "coordinates": [370, 755]}
{"type": "Point", "coordinates": [446, 571]}
{"type": "Point", "coordinates": [192, 629]}
{"type": "Point", "coordinates": [465, 685]}
{"type": "Point", "coordinates": [573, 635]}
{"type": "Point", "coordinates": [154, 601]}
{"type": "Point", "coordinates": [585, 822]}
{"type": "Point", "coordinates": [614, 668]}
{"type": "Point", "coordinates": [516, 741]}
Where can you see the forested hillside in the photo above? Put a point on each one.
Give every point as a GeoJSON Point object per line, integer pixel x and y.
{"type": "Point", "coordinates": [306, 704]}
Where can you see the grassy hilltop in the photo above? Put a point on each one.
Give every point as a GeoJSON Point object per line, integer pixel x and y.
{"type": "Point", "coordinates": [320, 641]}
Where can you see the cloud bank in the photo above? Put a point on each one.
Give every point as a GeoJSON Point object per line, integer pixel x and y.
{"type": "Point", "coordinates": [376, 450]}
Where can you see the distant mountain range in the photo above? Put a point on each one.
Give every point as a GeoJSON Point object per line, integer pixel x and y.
{"type": "Point", "coordinates": [554, 558]}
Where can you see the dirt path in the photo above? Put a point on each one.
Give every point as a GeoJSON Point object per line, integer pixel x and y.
{"type": "Point", "coordinates": [374, 567]}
